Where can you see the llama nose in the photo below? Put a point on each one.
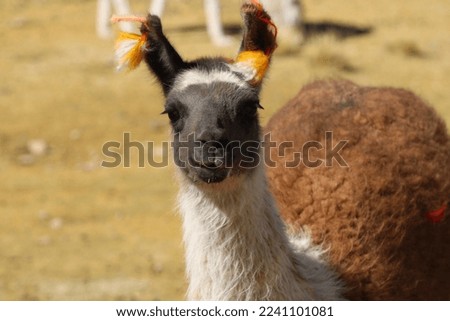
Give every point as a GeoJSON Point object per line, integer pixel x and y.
{"type": "Point", "coordinates": [211, 154]}
{"type": "Point", "coordinates": [210, 134]}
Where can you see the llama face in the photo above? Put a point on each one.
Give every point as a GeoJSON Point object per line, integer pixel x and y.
{"type": "Point", "coordinates": [214, 121]}
{"type": "Point", "coordinates": [212, 103]}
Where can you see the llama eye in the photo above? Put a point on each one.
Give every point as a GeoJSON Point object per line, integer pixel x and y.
{"type": "Point", "coordinates": [174, 115]}
{"type": "Point", "coordinates": [249, 109]}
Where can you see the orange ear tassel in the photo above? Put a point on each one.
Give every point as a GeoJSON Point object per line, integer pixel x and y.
{"type": "Point", "coordinates": [130, 47]}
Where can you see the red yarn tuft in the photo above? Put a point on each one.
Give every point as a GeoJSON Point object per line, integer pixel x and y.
{"type": "Point", "coordinates": [438, 215]}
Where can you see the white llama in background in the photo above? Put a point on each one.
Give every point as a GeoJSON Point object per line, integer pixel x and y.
{"type": "Point", "coordinates": [286, 14]}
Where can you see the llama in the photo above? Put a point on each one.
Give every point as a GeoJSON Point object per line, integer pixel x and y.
{"type": "Point", "coordinates": [287, 15]}
{"type": "Point", "coordinates": [237, 247]}
{"type": "Point", "coordinates": [381, 216]}
{"type": "Point", "coordinates": [122, 7]}
{"type": "Point", "coordinates": [236, 244]}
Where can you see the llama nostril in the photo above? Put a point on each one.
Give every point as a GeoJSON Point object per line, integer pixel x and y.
{"type": "Point", "coordinates": [210, 155]}
{"type": "Point", "coordinates": [213, 163]}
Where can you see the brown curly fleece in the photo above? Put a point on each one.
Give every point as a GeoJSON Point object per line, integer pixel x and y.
{"type": "Point", "coordinates": [371, 214]}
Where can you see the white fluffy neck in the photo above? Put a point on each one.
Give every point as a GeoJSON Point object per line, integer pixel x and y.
{"type": "Point", "coordinates": [237, 248]}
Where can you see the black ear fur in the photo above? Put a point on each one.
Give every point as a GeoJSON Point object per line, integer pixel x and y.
{"type": "Point", "coordinates": [160, 56]}
{"type": "Point", "coordinates": [259, 31]}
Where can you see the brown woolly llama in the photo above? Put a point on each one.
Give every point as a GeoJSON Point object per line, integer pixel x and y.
{"type": "Point", "coordinates": [379, 215]}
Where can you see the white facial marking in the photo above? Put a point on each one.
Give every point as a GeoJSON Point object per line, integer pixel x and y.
{"type": "Point", "coordinates": [245, 69]}
{"type": "Point", "coordinates": [199, 77]}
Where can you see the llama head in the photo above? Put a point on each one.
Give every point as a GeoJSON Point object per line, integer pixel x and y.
{"type": "Point", "coordinates": [212, 103]}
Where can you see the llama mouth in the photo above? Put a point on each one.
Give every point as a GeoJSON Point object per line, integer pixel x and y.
{"type": "Point", "coordinates": [211, 175]}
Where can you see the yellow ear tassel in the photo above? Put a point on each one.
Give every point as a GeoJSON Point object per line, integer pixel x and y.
{"type": "Point", "coordinates": [255, 63]}
{"type": "Point", "coordinates": [129, 48]}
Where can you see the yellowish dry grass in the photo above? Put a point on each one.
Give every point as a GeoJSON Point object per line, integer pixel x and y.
{"type": "Point", "coordinates": [72, 230]}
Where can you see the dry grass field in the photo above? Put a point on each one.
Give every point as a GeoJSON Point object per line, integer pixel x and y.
{"type": "Point", "coordinates": [72, 230]}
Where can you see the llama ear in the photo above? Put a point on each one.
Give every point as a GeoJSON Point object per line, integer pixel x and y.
{"type": "Point", "coordinates": [161, 58]}
{"type": "Point", "coordinates": [258, 42]}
